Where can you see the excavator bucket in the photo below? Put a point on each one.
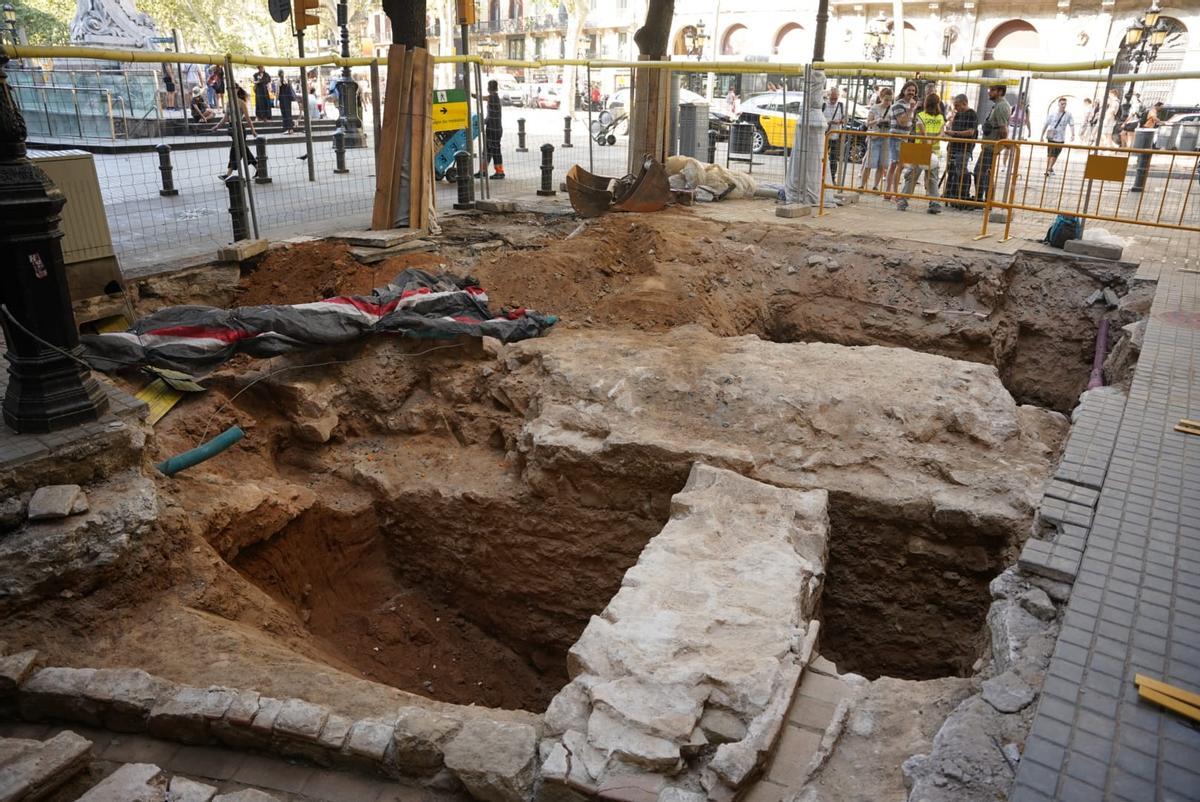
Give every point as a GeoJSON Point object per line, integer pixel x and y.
{"type": "Point", "coordinates": [590, 194]}
{"type": "Point", "coordinates": [649, 192]}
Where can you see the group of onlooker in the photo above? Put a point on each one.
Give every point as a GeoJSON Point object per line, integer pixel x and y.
{"type": "Point", "coordinates": [207, 94]}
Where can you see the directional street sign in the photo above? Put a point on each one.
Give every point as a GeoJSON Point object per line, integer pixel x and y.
{"type": "Point", "coordinates": [449, 109]}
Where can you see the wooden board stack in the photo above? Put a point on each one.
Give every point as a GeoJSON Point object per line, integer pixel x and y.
{"type": "Point", "coordinates": [404, 175]}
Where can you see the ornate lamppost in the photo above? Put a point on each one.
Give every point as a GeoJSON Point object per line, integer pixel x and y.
{"type": "Point", "coordinates": [351, 120]}
{"type": "Point", "coordinates": [1142, 41]}
{"type": "Point", "coordinates": [880, 38]}
{"type": "Point", "coordinates": [49, 386]}
{"type": "Point", "coordinates": [694, 38]}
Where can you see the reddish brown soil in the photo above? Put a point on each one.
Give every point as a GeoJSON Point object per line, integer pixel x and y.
{"type": "Point", "coordinates": [313, 270]}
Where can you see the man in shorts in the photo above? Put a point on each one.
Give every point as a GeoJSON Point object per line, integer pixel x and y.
{"type": "Point", "coordinates": [1055, 132]}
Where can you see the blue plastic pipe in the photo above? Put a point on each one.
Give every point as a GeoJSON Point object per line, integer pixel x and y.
{"type": "Point", "coordinates": [179, 462]}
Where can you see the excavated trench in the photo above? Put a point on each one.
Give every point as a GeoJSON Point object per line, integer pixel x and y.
{"type": "Point", "coordinates": [466, 579]}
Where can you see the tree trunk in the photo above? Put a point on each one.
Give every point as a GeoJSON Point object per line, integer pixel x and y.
{"type": "Point", "coordinates": [408, 21]}
{"type": "Point", "coordinates": [650, 103]}
{"type": "Point", "coordinates": [652, 37]}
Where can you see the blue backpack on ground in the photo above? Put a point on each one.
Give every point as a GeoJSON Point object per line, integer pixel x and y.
{"type": "Point", "coordinates": [1062, 230]}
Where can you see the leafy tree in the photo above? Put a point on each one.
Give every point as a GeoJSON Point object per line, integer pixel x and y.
{"type": "Point", "coordinates": [45, 22]}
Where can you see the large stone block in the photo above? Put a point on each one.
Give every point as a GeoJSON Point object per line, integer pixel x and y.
{"type": "Point", "coordinates": [419, 737]}
{"type": "Point", "coordinates": [188, 714]}
{"type": "Point", "coordinates": [58, 693]}
{"type": "Point", "coordinates": [36, 769]}
{"type": "Point", "coordinates": [496, 760]}
{"type": "Point", "coordinates": [127, 696]}
{"type": "Point", "coordinates": [370, 740]}
{"type": "Point", "coordinates": [132, 782]}
{"type": "Point", "coordinates": [15, 669]}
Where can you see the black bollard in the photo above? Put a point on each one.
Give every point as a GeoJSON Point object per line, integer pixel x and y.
{"type": "Point", "coordinates": [521, 136]}
{"type": "Point", "coordinates": [712, 146]}
{"type": "Point", "coordinates": [237, 208]}
{"type": "Point", "coordinates": [260, 152]}
{"type": "Point", "coordinates": [547, 187]}
{"type": "Point", "coordinates": [1144, 138]}
{"type": "Point", "coordinates": [462, 177]}
{"type": "Point", "coordinates": [567, 132]}
{"type": "Point", "coordinates": [339, 150]}
{"type": "Point", "coordinates": [164, 167]}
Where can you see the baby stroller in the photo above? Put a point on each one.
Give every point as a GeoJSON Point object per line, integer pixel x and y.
{"type": "Point", "coordinates": [448, 144]}
{"type": "Point", "coordinates": [605, 126]}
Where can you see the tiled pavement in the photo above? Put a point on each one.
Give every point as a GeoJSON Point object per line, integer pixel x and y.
{"type": "Point", "coordinates": [232, 771]}
{"type": "Point", "coordinates": [1135, 606]}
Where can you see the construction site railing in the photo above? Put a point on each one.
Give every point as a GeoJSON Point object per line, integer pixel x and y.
{"type": "Point", "coordinates": [1145, 187]}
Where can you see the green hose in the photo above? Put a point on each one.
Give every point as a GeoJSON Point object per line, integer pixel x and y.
{"type": "Point", "coordinates": [179, 462]}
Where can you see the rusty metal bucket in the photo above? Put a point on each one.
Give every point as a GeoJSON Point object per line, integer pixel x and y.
{"type": "Point", "coordinates": [590, 194]}
{"type": "Point", "coordinates": [649, 192]}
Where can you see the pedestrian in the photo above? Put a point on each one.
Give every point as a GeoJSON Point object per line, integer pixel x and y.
{"type": "Point", "coordinates": [168, 87]}
{"type": "Point", "coordinates": [286, 96]}
{"type": "Point", "coordinates": [1055, 132]}
{"type": "Point", "coordinates": [901, 118]}
{"type": "Point", "coordinates": [1091, 116]}
{"type": "Point", "coordinates": [314, 108]}
{"type": "Point", "coordinates": [493, 131]}
{"type": "Point", "coordinates": [994, 128]}
{"type": "Point", "coordinates": [964, 126]}
{"type": "Point", "coordinates": [216, 85]}
{"type": "Point", "coordinates": [835, 118]}
{"type": "Point", "coordinates": [1018, 123]}
{"type": "Point", "coordinates": [930, 121]}
{"type": "Point", "coordinates": [877, 148]}
{"type": "Point", "coordinates": [194, 76]}
{"type": "Point", "coordinates": [262, 93]}
{"type": "Point", "coordinates": [201, 113]}
{"type": "Point", "coordinates": [1153, 117]}
{"type": "Point", "coordinates": [238, 107]}
{"type": "Point", "coordinates": [731, 102]}
{"type": "Point", "coordinates": [1112, 120]}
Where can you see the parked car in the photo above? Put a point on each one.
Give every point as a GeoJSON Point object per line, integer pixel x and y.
{"type": "Point", "coordinates": [768, 113]}
{"type": "Point", "coordinates": [1177, 133]}
{"type": "Point", "coordinates": [547, 96]}
{"type": "Point", "coordinates": [718, 120]}
{"type": "Point", "coordinates": [511, 93]}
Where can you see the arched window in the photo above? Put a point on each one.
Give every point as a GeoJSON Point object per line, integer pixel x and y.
{"type": "Point", "coordinates": [1015, 40]}
{"type": "Point", "coordinates": [679, 46]}
{"type": "Point", "coordinates": [735, 41]}
{"type": "Point", "coordinates": [789, 42]}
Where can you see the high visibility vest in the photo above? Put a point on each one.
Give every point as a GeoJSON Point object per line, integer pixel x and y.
{"type": "Point", "coordinates": [933, 123]}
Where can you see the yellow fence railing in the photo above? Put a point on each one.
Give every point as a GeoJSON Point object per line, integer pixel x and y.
{"type": "Point", "coordinates": [1136, 186]}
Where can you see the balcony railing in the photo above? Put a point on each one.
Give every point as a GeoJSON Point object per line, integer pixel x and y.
{"type": "Point", "coordinates": [543, 22]}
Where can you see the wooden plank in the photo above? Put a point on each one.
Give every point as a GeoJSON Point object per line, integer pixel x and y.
{"type": "Point", "coordinates": [1170, 702]}
{"type": "Point", "coordinates": [1188, 697]}
{"type": "Point", "coordinates": [428, 192]}
{"type": "Point", "coordinates": [403, 134]}
{"type": "Point", "coordinates": [417, 102]}
{"type": "Point", "coordinates": [371, 255]}
{"type": "Point", "coordinates": [160, 397]}
{"type": "Point", "coordinates": [385, 238]}
{"type": "Point", "coordinates": [387, 142]}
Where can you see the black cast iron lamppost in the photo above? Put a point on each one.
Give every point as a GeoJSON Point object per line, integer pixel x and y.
{"type": "Point", "coordinates": [350, 120]}
{"type": "Point", "coordinates": [1142, 41]}
{"type": "Point", "coordinates": [880, 37]}
{"type": "Point", "coordinates": [695, 39]}
{"type": "Point", "coordinates": [49, 386]}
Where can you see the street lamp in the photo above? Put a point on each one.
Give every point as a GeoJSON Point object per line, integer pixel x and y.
{"type": "Point", "coordinates": [695, 39]}
{"type": "Point", "coordinates": [880, 36]}
{"type": "Point", "coordinates": [350, 120]}
{"type": "Point", "coordinates": [1142, 41]}
{"type": "Point", "coordinates": [49, 385]}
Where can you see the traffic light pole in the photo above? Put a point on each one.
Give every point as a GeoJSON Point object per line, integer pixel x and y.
{"type": "Point", "coordinates": [308, 145]}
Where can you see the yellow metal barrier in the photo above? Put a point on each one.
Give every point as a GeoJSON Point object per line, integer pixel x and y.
{"type": "Point", "coordinates": [1135, 186]}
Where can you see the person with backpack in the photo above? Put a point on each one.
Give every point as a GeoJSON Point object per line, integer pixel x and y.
{"type": "Point", "coordinates": [928, 121]}
{"type": "Point", "coordinates": [1055, 132]}
{"type": "Point", "coordinates": [835, 117]}
{"type": "Point", "coordinates": [963, 126]}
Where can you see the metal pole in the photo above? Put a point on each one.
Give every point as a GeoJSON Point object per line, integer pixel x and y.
{"type": "Point", "coordinates": [308, 142]}
{"type": "Point", "coordinates": [591, 164]}
{"type": "Point", "coordinates": [1087, 201]}
{"type": "Point", "coordinates": [486, 187]}
{"type": "Point", "coordinates": [376, 113]}
{"type": "Point", "coordinates": [239, 139]}
{"type": "Point", "coordinates": [803, 131]}
{"type": "Point", "coordinates": [181, 94]}
{"type": "Point", "coordinates": [350, 120]}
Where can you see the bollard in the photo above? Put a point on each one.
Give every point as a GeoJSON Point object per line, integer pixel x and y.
{"type": "Point", "coordinates": [237, 208]}
{"type": "Point", "coordinates": [712, 146]}
{"type": "Point", "coordinates": [1144, 138]}
{"type": "Point", "coordinates": [547, 187]}
{"type": "Point", "coordinates": [567, 132]}
{"type": "Point", "coordinates": [462, 177]}
{"type": "Point", "coordinates": [521, 136]}
{"type": "Point", "coordinates": [260, 152]}
{"type": "Point", "coordinates": [339, 150]}
{"type": "Point", "coordinates": [164, 167]}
